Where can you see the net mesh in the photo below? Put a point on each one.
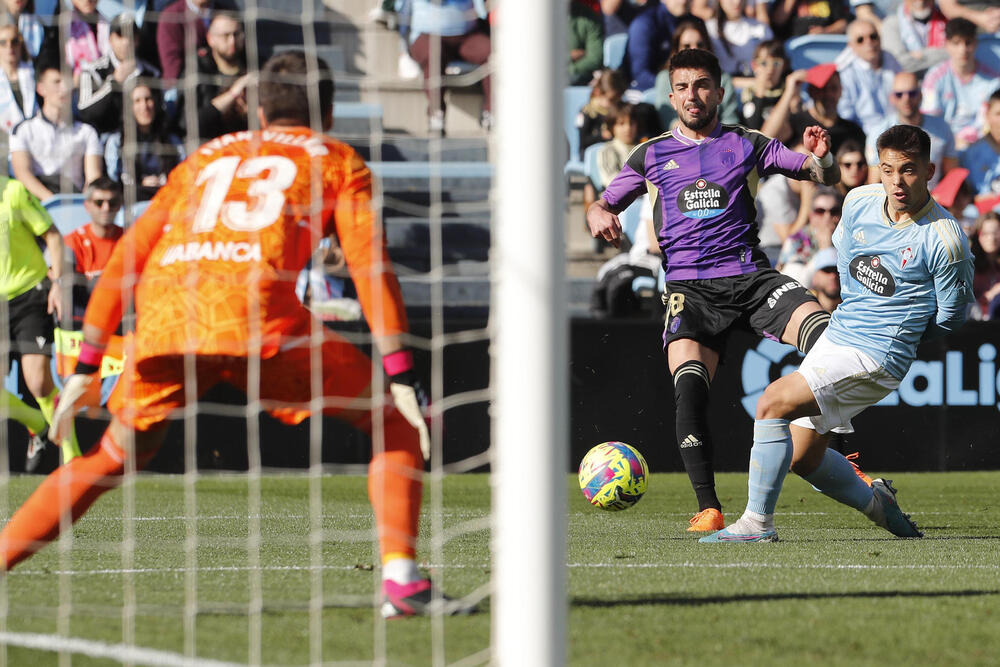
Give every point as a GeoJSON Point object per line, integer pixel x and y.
{"type": "Point", "coordinates": [249, 542]}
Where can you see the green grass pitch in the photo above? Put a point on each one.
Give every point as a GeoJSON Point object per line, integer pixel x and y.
{"type": "Point", "coordinates": [835, 590]}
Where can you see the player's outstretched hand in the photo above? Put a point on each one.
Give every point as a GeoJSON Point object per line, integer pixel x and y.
{"type": "Point", "coordinates": [816, 140]}
{"type": "Point", "coordinates": [604, 224]}
{"type": "Point", "coordinates": [408, 402]}
{"type": "Point", "coordinates": [81, 392]}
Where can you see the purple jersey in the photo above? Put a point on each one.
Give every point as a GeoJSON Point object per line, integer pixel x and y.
{"type": "Point", "coordinates": [704, 209]}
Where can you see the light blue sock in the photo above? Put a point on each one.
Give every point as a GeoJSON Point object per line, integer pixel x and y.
{"type": "Point", "coordinates": [835, 477]}
{"type": "Point", "coordinates": [770, 457]}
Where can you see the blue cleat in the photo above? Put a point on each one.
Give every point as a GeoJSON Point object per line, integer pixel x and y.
{"type": "Point", "coordinates": [885, 512]}
{"type": "Point", "coordinates": [740, 538]}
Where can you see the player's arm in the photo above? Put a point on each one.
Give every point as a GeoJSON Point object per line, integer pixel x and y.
{"type": "Point", "coordinates": [54, 244]}
{"type": "Point", "coordinates": [363, 243]}
{"type": "Point", "coordinates": [82, 390]}
{"type": "Point", "coordinates": [952, 276]}
{"type": "Point", "coordinates": [625, 188]}
{"type": "Point", "coordinates": [820, 167]}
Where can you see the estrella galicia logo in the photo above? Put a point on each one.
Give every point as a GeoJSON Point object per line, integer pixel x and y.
{"type": "Point", "coordinates": [702, 199]}
{"type": "Point", "coordinates": [869, 272]}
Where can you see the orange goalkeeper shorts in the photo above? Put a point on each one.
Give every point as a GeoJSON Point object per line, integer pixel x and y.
{"type": "Point", "coordinates": [154, 389]}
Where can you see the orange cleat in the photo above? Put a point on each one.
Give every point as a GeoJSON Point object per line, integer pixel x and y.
{"type": "Point", "coordinates": [706, 520]}
{"type": "Point", "coordinates": [858, 471]}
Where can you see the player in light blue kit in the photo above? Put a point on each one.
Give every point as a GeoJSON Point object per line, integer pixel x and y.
{"type": "Point", "coordinates": [906, 275]}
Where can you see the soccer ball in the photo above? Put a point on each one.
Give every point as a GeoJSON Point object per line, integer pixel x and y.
{"type": "Point", "coordinates": [613, 476]}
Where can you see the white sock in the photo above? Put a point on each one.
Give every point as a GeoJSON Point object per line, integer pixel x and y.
{"type": "Point", "coordinates": [401, 571]}
{"type": "Point", "coordinates": [752, 522]}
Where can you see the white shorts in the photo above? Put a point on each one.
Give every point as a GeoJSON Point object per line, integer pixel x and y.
{"type": "Point", "coordinates": [844, 381]}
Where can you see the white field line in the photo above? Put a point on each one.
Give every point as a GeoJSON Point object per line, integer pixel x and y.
{"type": "Point", "coordinates": [475, 566]}
{"type": "Point", "coordinates": [122, 653]}
{"type": "Point", "coordinates": [446, 513]}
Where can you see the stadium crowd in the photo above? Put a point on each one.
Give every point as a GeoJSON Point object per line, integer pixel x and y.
{"type": "Point", "coordinates": [905, 61]}
{"type": "Point", "coordinates": [71, 90]}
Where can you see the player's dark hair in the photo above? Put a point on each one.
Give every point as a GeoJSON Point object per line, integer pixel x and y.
{"type": "Point", "coordinates": [618, 112]}
{"type": "Point", "coordinates": [994, 98]}
{"type": "Point", "coordinates": [285, 81]}
{"type": "Point", "coordinates": [906, 139]}
{"type": "Point", "coordinates": [773, 48]}
{"type": "Point", "coordinates": [960, 27]}
{"type": "Point", "coordinates": [696, 59]}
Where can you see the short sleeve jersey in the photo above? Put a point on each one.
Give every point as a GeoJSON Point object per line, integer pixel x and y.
{"type": "Point", "coordinates": [220, 247]}
{"type": "Point", "coordinates": [894, 276]}
{"type": "Point", "coordinates": [703, 208]}
{"type": "Point", "coordinates": [22, 219]}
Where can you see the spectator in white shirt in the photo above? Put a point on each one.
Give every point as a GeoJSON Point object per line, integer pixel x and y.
{"type": "Point", "coordinates": [49, 150]}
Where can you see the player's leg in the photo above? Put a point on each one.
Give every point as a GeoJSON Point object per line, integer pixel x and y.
{"type": "Point", "coordinates": [140, 403]}
{"type": "Point", "coordinates": [71, 489]}
{"type": "Point", "coordinates": [692, 365]}
{"type": "Point", "coordinates": [38, 378]}
{"type": "Point", "coordinates": [784, 399]}
{"type": "Point", "coordinates": [395, 473]}
{"type": "Point", "coordinates": [805, 325]}
{"type": "Point", "coordinates": [16, 409]}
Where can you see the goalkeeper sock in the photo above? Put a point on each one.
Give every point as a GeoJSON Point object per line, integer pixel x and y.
{"type": "Point", "coordinates": [835, 477]}
{"type": "Point", "coordinates": [400, 569]}
{"type": "Point", "coordinates": [770, 457]}
{"type": "Point", "coordinates": [69, 446]}
{"type": "Point", "coordinates": [395, 487]}
{"type": "Point", "coordinates": [63, 496]}
{"type": "Point", "coordinates": [21, 412]}
{"type": "Point", "coordinates": [691, 390]}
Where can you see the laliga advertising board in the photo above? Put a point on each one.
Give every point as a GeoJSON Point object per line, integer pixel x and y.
{"type": "Point", "coordinates": [944, 416]}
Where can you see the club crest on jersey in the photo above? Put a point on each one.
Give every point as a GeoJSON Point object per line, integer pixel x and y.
{"type": "Point", "coordinates": [869, 272]}
{"type": "Point", "coordinates": [702, 199]}
{"type": "Point", "coordinates": [907, 254]}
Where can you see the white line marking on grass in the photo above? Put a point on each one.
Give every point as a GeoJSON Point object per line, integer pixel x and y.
{"type": "Point", "coordinates": [776, 566]}
{"type": "Point", "coordinates": [122, 653]}
{"type": "Point", "coordinates": [483, 566]}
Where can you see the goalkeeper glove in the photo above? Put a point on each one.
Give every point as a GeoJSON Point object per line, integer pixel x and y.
{"type": "Point", "coordinates": [81, 391]}
{"type": "Point", "coordinates": [408, 395]}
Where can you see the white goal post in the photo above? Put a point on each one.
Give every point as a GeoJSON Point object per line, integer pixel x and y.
{"type": "Point", "coordinates": [529, 336]}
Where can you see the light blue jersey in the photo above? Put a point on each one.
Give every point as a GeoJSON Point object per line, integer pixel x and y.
{"type": "Point", "coordinates": [901, 282]}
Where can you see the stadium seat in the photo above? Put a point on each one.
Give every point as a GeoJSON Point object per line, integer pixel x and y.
{"type": "Point", "coordinates": [590, 165]}
{"type": "Point", "coordinates": [574, 99]}
{"type": "Point", "coordinates": [67, 212]}
{"type": "Point", "coordinates": [137, 209]}
{"type": "Point", "coordinates": [808, 50]}
{"type": "Point", "coordinates": [988, 51]}
{"type": "Point", "coordinates": [614, 50]}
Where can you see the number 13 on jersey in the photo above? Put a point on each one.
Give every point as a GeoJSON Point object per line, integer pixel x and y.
{"type": "Point", "coordinates": [267, 193]}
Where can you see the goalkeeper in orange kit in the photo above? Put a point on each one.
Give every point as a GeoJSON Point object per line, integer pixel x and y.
{"type": "Point", "coordinates": [211, 269]}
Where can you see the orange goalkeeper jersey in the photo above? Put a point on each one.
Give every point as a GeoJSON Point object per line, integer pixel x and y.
{"type": "Point", "coordinates": [214, 259]}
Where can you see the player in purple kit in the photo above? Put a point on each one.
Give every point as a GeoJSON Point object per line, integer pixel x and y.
{"type": "Point", "coordinates": [717, 279]}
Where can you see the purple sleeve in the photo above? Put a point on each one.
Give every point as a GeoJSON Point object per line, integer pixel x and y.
{"type": "Point", "coordinates": [774, 158]}
{"type": "Point", "coordinates": [624, 189]}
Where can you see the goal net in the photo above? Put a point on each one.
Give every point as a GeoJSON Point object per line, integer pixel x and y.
{"type": "Point", "coordinates": [248, 541]}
